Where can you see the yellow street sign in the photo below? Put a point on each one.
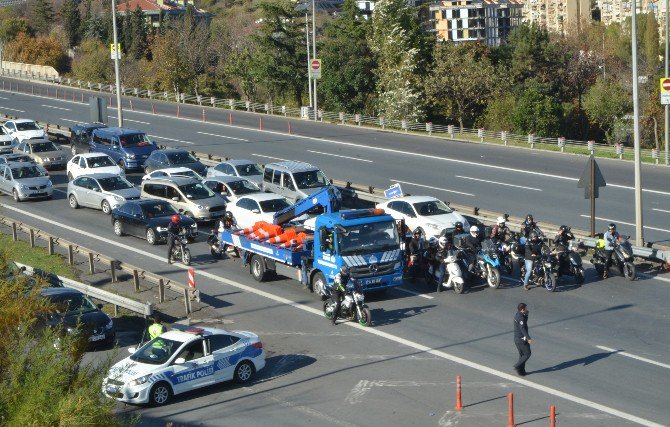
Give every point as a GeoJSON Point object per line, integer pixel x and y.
{"type": "Point", "coordinates": [115, 51]}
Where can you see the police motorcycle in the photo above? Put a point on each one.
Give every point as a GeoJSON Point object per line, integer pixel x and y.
{"type": "Point", "coordinates": [352, 308]}
{"type": "Point", "coordinates": [568, 262]}
{"type": "Point", "coordinates": [180, 250]}
{"type": "Point", "coordinates": [543, 271]}
{"type": "Point", "coordinates": [622, 256]}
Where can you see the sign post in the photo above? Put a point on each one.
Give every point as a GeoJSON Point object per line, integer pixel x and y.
{"type": "Point", "coordinates": [665, 90]}
{"type": "Point", "coordinates": [590, 181]}
{"type": "Point", "coordinates": [115, 51]}
{"type": "Point", "coordinates": [315, 68]}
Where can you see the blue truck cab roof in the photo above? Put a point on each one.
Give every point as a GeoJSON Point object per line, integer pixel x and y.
{"type": "Point", "coordinates": [354, 217]}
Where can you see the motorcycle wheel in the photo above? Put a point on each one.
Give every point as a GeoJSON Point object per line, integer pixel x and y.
{"type": "Point", "coordinates": [493, 277]}
{"type": "Point", "coordinates": [629, 270]}
{"type": "Point", "coordinates": [216, 254]}
{"type": "Point", "coordinates": [328, 309]}
{"type": "Point", "coordinates": [579, 276]}
{"type": "Point", "coordinates": [366, 317]}
{"type": "Point", "coordinates": [186, 256]}
{"type": "Point", "coordinates": [549, 282]}
{"type": "Point", "coordinates": [459, 288]}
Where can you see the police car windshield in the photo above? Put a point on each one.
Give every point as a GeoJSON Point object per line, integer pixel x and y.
{"type": "Point", "coordinates": [243, 187]}
{"type": "Point", "coordinates": [249, 169]}
{"type": "Point", "coordinates": [368, 238]}
{"type": "Point", "coordinates": [310, 179]}
{"type": "Point", "coordinates": [157, 351]}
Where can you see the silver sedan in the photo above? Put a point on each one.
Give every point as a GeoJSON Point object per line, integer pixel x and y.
{"type": "Point", "coordinates": [103, 191]}
{"type": "Point", "coordinates": [24, 180]}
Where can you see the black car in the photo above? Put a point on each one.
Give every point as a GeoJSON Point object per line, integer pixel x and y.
{"type": "Point", "coordinates": [149, 219]}
{"type": "Point", "coordinates": [13, 272]}
{"type": "Point", "coordinates": [72, 308]}
{"type": "Point", "coordinates": [172, 158]}
{"type": "Point", "coordinates": [81, 135]}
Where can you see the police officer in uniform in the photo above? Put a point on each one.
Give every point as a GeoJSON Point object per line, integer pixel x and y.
{"type": "Point", "coordinates": [521, 338]}
{"type": "Point", "coordinates": [157, 328]}
{"type": "Point", "coordinates": [337, 293]}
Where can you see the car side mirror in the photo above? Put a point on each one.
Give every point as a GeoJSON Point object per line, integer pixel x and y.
{"type": "Point", "coordinates": [132, 350]}
{"type": "Point", "coordinates": [255, 211]}
{"type": "Point", "coordinates": [179, 361]}
{"type": "Point", "coordinates": [97, 190]}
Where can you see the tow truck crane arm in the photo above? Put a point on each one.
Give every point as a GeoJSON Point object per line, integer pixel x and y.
{"type": "Point", "coordinates": [329, 198]}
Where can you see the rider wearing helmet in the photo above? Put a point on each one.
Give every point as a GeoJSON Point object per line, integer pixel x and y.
{"type": "Point", "coordinates": [563, 236]}
{"type": "Point", "coordinates": [533, 251]}
{"type": "Point", "coordinates": [472, 246]}
{"type": "Point", "coordinates": [528, 226]}
{"type": "Point", "coordinates": [416, 243]}
{"type": "Point", "coordinates": [443, 251]}
{"type": "Point", "coordinates": [172, 233]}
{"type": "Point", "coordinates": [610, 237]}
{"type": "Point", "coordinates": [500, 231]}
{"type": "Point", "coordinates": [228, 223]}
{"type": "Point", "coordinates": [339, 287]}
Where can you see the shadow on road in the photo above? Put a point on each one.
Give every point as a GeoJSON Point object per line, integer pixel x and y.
{"type": "Point", "coordinates": [382, 317]}
{"type": "Point", "coordinates": [587, 360]}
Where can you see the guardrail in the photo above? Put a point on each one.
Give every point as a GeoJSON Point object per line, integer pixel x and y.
{"type": "Point", "coordinates": [92, 257]}
{"type": "Point", "coordinates": [558, 144]}
{"type": "Point", "coordinates": [145, 309]}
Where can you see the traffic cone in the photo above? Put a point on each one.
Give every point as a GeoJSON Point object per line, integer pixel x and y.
{"type": "Point", "coordinates": [510, 401]}
{"type": "Point", "coordinates": [552, 416]}
{"type": "Point", "coordinates": [459, 404]}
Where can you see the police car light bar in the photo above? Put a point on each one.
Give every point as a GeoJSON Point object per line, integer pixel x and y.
{"type": "Point", "coordinates": [361, 213]}
{"type": "Point", "coordinates": [195, 331]}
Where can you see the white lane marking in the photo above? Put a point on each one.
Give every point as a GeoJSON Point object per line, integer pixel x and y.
{"type": "Point", "coordinates": [223, 136]}
{"type": "Point", "coordinates": [269, 157]}
{"type": "Point", "coordinates": [70, 120]}
{"type": "Point", "coordinates": [11, 109]}
{"type": "Point", "coordinates": [433, 188]}
{"type": "Point", "coordinates": [363, 386]}
{"type": "Point", "coordinates": [125, 119]}
{"type": "Point", "coordinates": [376, 332]}
{"type": "Point", "coordinates": [632, 356]}
{"type": "Point", "coordinates": [497, 183]}
{"type": "Point", "coordinates": [2, 97]}
{"type": "Point", "coordinates": [652, 276]}
{"type": "Point", "coordinates": [56, 108]}
{"type": "Point", "coordinates": [171, 139]}
{"type": "Point", "coordinates": [338, 155]}
{"type": "Point", "coordinates": [625, 223]}
{"type": "Point", "coordinates": [413, 293]}
{"type": "Point", "coordinates": [660, 210]}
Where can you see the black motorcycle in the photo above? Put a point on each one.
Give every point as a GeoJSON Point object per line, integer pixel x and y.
{"type": "Point", "coordinates": [622, 256]}
{"type": "Point", "coordinates": [569, 262]}
{"type": "Point", "coordinates": [543, 271]}
{"type": "Point", "coordinates": [352, 308]}
{"type": "Point", "coordinates": [180, 250]}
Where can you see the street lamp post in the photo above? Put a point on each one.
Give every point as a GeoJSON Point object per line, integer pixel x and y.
{"type": "Point", "coordinates": [309, 69]}
{"type": "Point", "coordinates": [639, 238]}
{"type": "Point", "coordinates": [316, 114]}
{"type": "Point", "coordinates": [119, 110]}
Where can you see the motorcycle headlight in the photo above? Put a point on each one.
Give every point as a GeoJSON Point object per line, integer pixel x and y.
{"type": "Point", "coordinates": [358, 296]}
{"type": "Point", "coordinates": [110, 325]}
{"type": "Point", "coordinates": [140, 380]}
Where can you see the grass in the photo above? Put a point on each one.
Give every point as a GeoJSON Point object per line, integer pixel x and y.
{"type": "Point", "coordinates": [35, 257]}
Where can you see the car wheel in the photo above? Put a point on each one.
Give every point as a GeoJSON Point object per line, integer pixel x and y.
{"type": "Point", "coordinates": [73, 201]}
{"type": "Point", "coordinates": [106, 207]}
{"type": "Point", "coordinates": [160, 394]}
{"type": "Point", "coordinates": [118, 228]}
{"type": "Point", "coordinates": [69, 176]}
{"type": "Point", "coordinates": [244, 372]}
{"type": "Point", "coordinates": [15, 194]}
{"type": "Point", "coordinates": [319, 285]}
{"type": "Point", "coordinates": [151, 236]}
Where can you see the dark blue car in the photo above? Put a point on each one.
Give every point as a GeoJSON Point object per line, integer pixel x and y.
{"type": "Point", "coordinates": [127, 147]}
{"type": "Point", "coordinates": [172, 158]}
{"type": "Point", "coordinates": [149, 219]}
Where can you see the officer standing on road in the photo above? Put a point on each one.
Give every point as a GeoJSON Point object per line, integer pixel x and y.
{"type": "Point", "coordinates": [521, 338]}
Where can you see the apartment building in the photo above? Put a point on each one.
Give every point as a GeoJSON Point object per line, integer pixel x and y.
{"type": "Point", "coordinates": [558, 16]}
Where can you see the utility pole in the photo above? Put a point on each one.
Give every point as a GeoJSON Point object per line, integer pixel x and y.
{"type": "Point", "coordinates": [667, 70]}
{"type": "Point", "coordinates": [316, 114]}
{"type": "Point", "coordinates": [639, 238]}
{"type": "Point", "coordinates": [309, 69]}
{"type": "Point", "coordinates": [119, 110]}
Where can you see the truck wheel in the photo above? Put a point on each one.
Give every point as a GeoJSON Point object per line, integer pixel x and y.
{"type": "Point", "coordinates": [319, 285]}
{"type": "Point", "coordinates": [257, 268]}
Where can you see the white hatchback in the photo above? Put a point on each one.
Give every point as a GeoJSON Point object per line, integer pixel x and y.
{"type": "Point", "coordinates": [428, 214]}
{"type": "Point", "coordinates": [250, 209]}
{"type": "Point", "coordinates": [90, 163]}
{"type": "Point", "coordinates": [183, 360]}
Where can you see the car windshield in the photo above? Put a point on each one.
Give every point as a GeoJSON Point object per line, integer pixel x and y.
{"type": "Point", "coordinates": [196, 191]}
{"type": "Point", "coordinates": [27, 172]}
{"type": "Point", "coordinates": [71, 304]}
{"type": "Point", "coordinates": [43, 147]}
{"type": "Point", "coordinates": [100, 162]}
{"type": "Point", "coordinates": [243, 187]}
{"type": "Point", "coordinates": [368, 238]}
{"type": "Point", "coordinates": [431, 208]}
{"type": "Point", "coordinates": [157, 351]}
{"type": "Point", "coordinates": [27, 126]}
{"type": "Point", "coordinates": [310, 179]}
{"type": "Point", "coordinates": [188, 173]}
{"type": "Point", "coordinates": [158, 209]}
{"type": "Point", "coordinates": [180, 158]}
{"type": "Point", "coordinates": [250, 169]}
{"type": "Point", "coordinates": [114, 183]}
{"type": "Point", "coordinates": [135, 140]}
{"type": "Point", "coordinates": [274, 205]}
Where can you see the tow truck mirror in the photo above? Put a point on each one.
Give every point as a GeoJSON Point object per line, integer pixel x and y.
{"type": "Point", "coordinates": [179, 361]}
{"type": "Point", "coordinates": [322, 239]}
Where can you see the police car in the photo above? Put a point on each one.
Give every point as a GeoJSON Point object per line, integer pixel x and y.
{"type": "Point", "coordinates": [182, 360]}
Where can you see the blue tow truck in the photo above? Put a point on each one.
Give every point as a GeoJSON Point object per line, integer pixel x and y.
{"type": "Point", "coordinates": [364, 239]}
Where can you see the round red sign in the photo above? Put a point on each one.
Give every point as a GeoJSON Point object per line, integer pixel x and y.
{"type": "Point", "coordinates": [666, 84]}
{"type": "Point", "coordinates": [317, 64]}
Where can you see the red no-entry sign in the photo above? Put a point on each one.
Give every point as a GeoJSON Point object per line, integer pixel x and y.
{"type": "Point", "coordinates": [665, 84]}
{"type": "Point", "coordinates": [315, 68]}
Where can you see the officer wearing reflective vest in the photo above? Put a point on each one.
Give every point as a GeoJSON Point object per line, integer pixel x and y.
{"type": "Point", "coordinates": [157, 328]}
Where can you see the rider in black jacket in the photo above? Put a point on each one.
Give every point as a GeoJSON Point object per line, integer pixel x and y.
{"type": "Point", "coordinates": [472, 246]}
{"type": "Point", "coordinates": [172, 233]}
{"type": "Point", "coordinates": [528, 226]}
{"type": "Point", "coordinates": [533, 252]}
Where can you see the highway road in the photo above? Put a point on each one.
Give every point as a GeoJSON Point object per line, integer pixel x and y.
{"type": "Point", "coordinates": [601, 352]}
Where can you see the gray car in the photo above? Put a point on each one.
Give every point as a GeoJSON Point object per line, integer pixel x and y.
{"type": "Point", "coordinates": [104, 191]}
{"type": "Point", "coordinates": [44, 152]}
{"type": "Point", "coordinates": [24, 181]}
{"type": "Point", "coordinates": [187, 195]}
{"type": "Point", "coordinates": [241, 168]}
{"type": "Point", "coordinates": [230, 187]}
{"type": "Point", "coordinates": [7, 142]}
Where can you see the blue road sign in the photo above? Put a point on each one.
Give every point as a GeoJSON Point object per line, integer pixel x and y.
{"type": "Point", "coordinates": [393, 191]}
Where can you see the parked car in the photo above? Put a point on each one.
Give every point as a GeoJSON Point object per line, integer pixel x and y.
{"type": "Point", "coordinates": [183, 360]}
{"type": "Point", "coordinates": [241, 168]}
{"type": "Point", "coordinates": [25, 181]}
{"type": "Point", "coordinates": [170, 172]}
{"type": "Point", "coordinates": [430, 215]}
{"type": "Point", "coordinates": [187, 195]}
{"type": "Point", "coordinates": [73, 309]}
{"type": "Point", "coordinates": [44, 152]}
{"type": "Point", "coordinates": [7, 142]}
{"type": "Point", "coordinates": [230, 187]}
{"type": "Point", "coordinates": [90, 163]}
{"type": "Point", "coordinates": [80, 136]}
{"type": "Point", "coordinates": [148, 219]}
{"type": "Point", "coordinates": [248, 210]}
{"type": "Point", "coordinates": [6, 158]}
{"type": "Point", "coordinates": [127, 147]}
{"type": "Point", "coordinates": [101, 191]}
{"type": "Point", "coordinates": [293, 180]}
{"type": "Point", "coordinates": [13, 272]}
{"type": "Point", "coordinates": [170, 158]}
{"type": "Point", "coordinates": [23, 129]}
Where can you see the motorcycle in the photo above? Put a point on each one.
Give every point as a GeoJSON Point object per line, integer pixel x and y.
{"type": "Point", "coordinates": [622, 256]}
{"type": "Point", "coordinates": [505, 252]}
{"type": "Point", "coordinates": [487, 264]}
{"type": "Point", "coordinates": [453, 276]}
{"type": "Point", "coordinates": [416, 265]}
{"type": "Point", "coordinates": [215, 246]}
{"type": "Point", "coordinates": [569, 262]}
{"type": "Point", "coordinates": [542, 273]}
{"type": "Point", "coordinates": [180, 250]}
{"type": "Point", "coordinates": [352, 308]}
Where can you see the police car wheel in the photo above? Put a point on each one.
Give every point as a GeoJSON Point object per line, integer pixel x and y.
{"type": "Point", "coordinates": [160, 394]}
{"type": "Point", "coordinates": [244, 372]}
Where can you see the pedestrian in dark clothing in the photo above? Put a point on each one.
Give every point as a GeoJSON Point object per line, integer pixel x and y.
{"type": "Point", "coordinates": [521, 338]}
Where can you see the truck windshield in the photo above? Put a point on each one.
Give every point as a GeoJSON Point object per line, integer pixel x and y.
{"type": "Point", "coordinates": [368, 238]}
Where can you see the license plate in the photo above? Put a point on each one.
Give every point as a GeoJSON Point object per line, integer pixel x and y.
{"type": "Point", "coordinates": [38, 195]}
{"type": "Point", "coordinates": [372, 281]}
{"type": "Point", "coordinates": [97, 337]}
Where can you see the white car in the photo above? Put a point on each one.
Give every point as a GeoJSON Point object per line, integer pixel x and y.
{"type": "Point", "coordinates": [168, 172]}
{"type": "Point", "coordinates": [7, 142]}
{"type": "Point", "coordinates": [90, 163]}
{"type": "Point", "coordinates": [183, 360]}
{"type": "Point", "coordinates": [237, 167]}
{"type": "Point", "coordinates": [21, 129]}
{"type": "Point", "coordinates": [231, 188]}
{"type": "Point", "coordinates": [430, 215]}
{"type": "Point", "coordinates": [252, 208]}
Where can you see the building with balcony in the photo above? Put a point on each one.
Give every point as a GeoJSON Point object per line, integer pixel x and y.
{"type": "Point", "coordinates": [558, 16]}
{"type": "Point", "coordinates": [155, 10]}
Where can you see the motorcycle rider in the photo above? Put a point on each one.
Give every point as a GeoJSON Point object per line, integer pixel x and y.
{"type": "Point", "coordinates": [610, 237]}
{"type": "Point", "coordinates": [228, 223]}
{"type": "Point", "coordinates": [533, 251]}
{"type": "Point", "coordinates": [527, 226]}
{"type": "Point", "coordinates": [444, 249]}
{"type": "Point", "coordinates": [172, 233]}
{"type": "Point", "coordinates": [339, 288]}
{"type": "Point", "coordinates": [472, 246]}
{"type": "Point", "coordinates": [415, 247]}
{"type": "Point", "coordinates": [561, 243]}
{"type": "Point", "coordinates": [500, 231]}
{"type": "Point", "coordinates": [458, 229]}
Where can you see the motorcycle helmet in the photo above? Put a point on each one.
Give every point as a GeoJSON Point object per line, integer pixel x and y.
{"type": "Point", "coordinates": [344, 270]}
{"type": "Point", "coordinates": [474, 231]}
{"type": "Point", "coordinates": [533, 235]}
{"type": "Point", "coordinates": [500, 220]}
{"type": "Point", "coordinates": [611, 227]}
{"type": "Point", "coordinates": [417, 232]}
{"type": "Point", "coordinates": [175, 219]}
{"type": "Point", "coordinates": [564, 229]}
{"type": "Point", "coordinates": [529, 218]}
{"type": "Point", "coordinates": [432, 241]}
{"type": "Point", "coordinates": [442, 241]}
{"type": "Point", "coordinates": [458, 226]}
{"type": "Point", "coordinates": [229, 215]}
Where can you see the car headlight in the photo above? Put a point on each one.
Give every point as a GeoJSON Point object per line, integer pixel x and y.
{"type": "Point", "coordinates": [23, 187]}
{"type": "Point", "coordinates": [161, 229]}
{"type": "Point", "coordinates": [40, 160]}
{"type": "Point", "coordinates": [110, 325]}
{"type": "Point", "coordinates": [200, 207]}
{"type": "Point", "coordinates": [130, 156]}
{"type": "Point", "coordinates": [119, 198]}
{"type": "Point", "coordinates": [140, 380]}
{"type": "Point", "coordinates": [50, 184]}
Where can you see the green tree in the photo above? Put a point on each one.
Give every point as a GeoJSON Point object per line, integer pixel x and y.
{"type": "Point", "coordinates": [348, 80]}
{"type": "Point", "coordinates": [498, 114]}
{"type": "Point", "coordinates": [92, 62]}
{"type": "Point", "coordinates": [650, 42]}
{"type": "Point", "coordinates": [71, 19]}
{"type": "Point", "coordinates": [11, 27]}
{"type": "Point", "coordinates": [537, 112]}
{"type": "Point", "coordinates": [605, 103]}
{"type": "Point", "coordinates": [41, 16]}
{"type": "Point", "coordinates": [532, 54]}
{"type": "Point", "coordinates": [138, 26]}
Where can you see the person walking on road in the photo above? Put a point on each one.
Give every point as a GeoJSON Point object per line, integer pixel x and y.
{"type": "Point", "coordinates": [521, 338]}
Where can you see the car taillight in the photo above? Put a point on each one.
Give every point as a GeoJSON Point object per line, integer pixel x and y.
{"type": "Point", "coordinates": [257, 344]}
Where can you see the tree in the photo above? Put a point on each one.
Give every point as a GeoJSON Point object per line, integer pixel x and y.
{"type": "Point", "coordinates": [348, 81]}
{"type": "Point", "coordinates": [460, 83]}
{"type": "Point", "coordinates": [92, 62]}
{"type": "Point", "coordinates": [536, 111]}
{"type": "Point", "coordinates": [11, 27]}
{"type": "Point", "coordinates": [71, 19]}
{"type": "Point", "coordinates": [41, 16]}
{"type": "Point", "coordinates": [533, 55]}
{"type": "Point", "coordinates": [650, 42]}
{"type": "Point", "coordinates": [171, 71]}
{"type": "Point", "coordinates": [138, 27]}
{"type": "Point", "coordinates": [37, 50]}
{"type": "Point", "coordinates": [605, 103]}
